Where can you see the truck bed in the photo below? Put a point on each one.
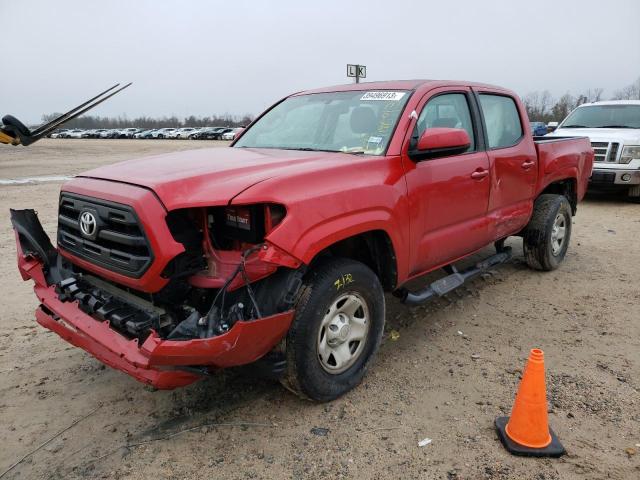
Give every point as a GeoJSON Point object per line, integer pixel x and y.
{"type": "Point", "coordinates": [547, 139]}
{"type": "Point", "coordinates": [564, 157]}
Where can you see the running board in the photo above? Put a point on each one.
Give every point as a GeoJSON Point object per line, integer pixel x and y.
{"type": "Point", "coordinates": [453, 280]}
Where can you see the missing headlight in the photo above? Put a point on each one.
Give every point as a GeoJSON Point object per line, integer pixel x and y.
{"type": "Point", "coordinates": [246, 224]}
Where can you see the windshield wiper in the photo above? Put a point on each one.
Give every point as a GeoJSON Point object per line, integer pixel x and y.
{"type": "Point", "coordinates": [573, 126]}
{"type": "Point", "coordinates": [308, 149]}
{"type": "Point", "coordinates": [615, 126]}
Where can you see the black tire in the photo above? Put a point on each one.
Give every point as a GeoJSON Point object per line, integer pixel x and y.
{"type": "Point", "coordinates": [633, 194]}
{"type": "Point", "coordinates": [324, 285]}
{"type": "Point", "coordinates": [541, 250]}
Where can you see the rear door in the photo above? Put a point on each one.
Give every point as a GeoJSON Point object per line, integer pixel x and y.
{"type": "Point", "coordinates": [513, 161]}
{"type": "Point", "coordinates": [448, 195]}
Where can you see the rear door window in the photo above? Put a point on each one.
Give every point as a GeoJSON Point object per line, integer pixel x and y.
{"type": "Point", "coordinates": [501, 120]}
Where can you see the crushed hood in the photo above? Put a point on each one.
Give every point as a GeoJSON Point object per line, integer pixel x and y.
{"type": "Point", "coordinates": [213, 176]}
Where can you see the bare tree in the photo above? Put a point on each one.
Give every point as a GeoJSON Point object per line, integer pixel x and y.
{"type": "Point", "coordinates": [593, 95]}
{"type": "Point", "coordinates": [563, 107]}
{"type": "Point", "coordinates": [538, 105]}
{"type": "Point", "coordinates": [630, 92]}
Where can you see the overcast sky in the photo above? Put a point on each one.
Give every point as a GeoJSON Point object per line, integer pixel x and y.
{"type": "Point", "coordinates": [235, 56]}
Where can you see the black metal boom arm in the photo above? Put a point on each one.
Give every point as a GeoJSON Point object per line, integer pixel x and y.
{"type": "Point", "coordinates": [14, 132]}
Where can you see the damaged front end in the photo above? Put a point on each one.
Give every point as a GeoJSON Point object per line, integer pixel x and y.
{"type": "Point", "coordinates": [220, 306]}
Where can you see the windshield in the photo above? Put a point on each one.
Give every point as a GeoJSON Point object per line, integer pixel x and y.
{"type": "Point", "coordinates": [604, 116]}
{"type": "Point", "coordinates": [351, 122]}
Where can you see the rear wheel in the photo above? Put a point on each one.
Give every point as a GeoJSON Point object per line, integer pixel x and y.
{"type": "Point", "coordinates": [336, 331]}
{"type": "Point", "coordinates": [546, 237]}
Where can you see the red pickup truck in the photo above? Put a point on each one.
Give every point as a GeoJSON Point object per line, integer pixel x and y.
{"type": "Point", "coordinates": [277, 251]}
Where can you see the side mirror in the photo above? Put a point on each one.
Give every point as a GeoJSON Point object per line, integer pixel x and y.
{"type": "Point", "coordinates": [441, 142]}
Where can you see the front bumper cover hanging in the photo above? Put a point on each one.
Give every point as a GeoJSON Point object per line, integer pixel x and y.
{"type": "Point", "coordinates": [163, 364]}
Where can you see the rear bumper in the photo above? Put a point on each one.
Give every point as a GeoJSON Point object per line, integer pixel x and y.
{"type": "Point", "coordinates": [615, 176]}
{"type": "Point", "coordinates": [157, 362]}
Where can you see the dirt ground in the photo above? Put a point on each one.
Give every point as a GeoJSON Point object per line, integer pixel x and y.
{"type": "Point", "coordinates": [454, 367]}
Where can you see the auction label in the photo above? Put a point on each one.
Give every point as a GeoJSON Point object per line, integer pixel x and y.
{"type": "Point", "coordinates": [385, 96]}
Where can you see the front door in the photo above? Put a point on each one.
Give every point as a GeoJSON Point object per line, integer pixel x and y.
{"type": "Point", "coordinates": [448, 195]}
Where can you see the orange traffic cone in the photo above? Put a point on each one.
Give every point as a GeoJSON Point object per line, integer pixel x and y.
{"type": "Point", "coordinates": [527, 431]}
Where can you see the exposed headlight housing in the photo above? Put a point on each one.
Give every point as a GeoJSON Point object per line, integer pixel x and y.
{"type": "Point", "coordinates": [244, 223]}
{"type": "Point", "coordinates": [630, 152]}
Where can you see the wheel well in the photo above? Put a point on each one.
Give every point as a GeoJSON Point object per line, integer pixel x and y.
{"type": "Point", "coordinates": [566, 187]}
{"type": "Point", "coordinates": [374, 249]}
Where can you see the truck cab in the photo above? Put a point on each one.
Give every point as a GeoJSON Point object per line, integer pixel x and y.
{"type": "Point", "coordinates": [613, 128]}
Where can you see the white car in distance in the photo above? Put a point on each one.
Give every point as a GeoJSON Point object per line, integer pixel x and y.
{"type": "Point", "coordinates": [232, 134]}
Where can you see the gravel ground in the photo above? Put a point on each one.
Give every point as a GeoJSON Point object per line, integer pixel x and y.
{"type": "Point", "coordinates": [444, 371]}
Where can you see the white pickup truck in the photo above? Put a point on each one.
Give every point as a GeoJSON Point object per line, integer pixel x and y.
{"type": "Point", "coordinates": [613, 128]}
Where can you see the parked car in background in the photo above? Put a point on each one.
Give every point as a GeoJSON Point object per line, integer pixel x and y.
{"type": "Point", "coordinates": [208, 133]}
{"type": "Point", "coordinates": [538, 129]}
{"type": "Point", "coordinates": [59, 133]}
{"type": "Point", "coordinates": [232, 134]}
{"type": "Point", "coordinates": [196, 132]}
{"type": "Point", "coordinates": [92, 133]}
{"type": "Point", "coordinates": [98, 132]}
{"type": "Point", "coordinates": [128, 132]}
{"type": "Point", "coordinates": [75, 133]}
{"type": "Point", "coordinates": [109, 133]}
{"type": "Point", "coordinates": [218, 134]}
{"type": "Point", "coordinates": [172, 134]}
{"type": "Point", "coordinates": [614, 130]}
{"type": "Point", "coordinates": [63, 132]}
{"type": "Point", "coordinates": [144, 134]}
{"type": "Point", "coordinates": [162, 133]}
{"type": "Point", "coordinates": [183, 133]}
{"type": "Point", "coordinates": [551, 126]}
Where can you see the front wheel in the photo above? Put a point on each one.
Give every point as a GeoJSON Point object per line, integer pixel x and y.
{"type": "Point", "coordinates": [336, 331]}
{"type": "Point", "coordinates": [546, 237]}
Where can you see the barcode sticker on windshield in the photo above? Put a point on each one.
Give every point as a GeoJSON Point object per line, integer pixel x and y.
{"type": "Point", "coordinates": [385, 96]}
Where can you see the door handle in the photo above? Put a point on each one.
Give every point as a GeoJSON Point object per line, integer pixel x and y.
{"type": "Point", "coordinates": [479, 174]}
{"type": "Point", "coordinates": [528, 164]}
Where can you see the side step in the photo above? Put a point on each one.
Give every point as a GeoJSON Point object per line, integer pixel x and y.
{"type": "Point", "coordinates": [453, 280]}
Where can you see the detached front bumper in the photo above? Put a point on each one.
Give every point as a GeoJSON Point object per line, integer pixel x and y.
{"type": "Point", "coordinates": [157, 362]}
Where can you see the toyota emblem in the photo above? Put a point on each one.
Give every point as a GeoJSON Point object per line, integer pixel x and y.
{"type": "Point", "coordinates": [88, 224]}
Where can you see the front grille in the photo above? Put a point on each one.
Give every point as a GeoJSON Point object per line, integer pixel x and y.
{"type": "Point", "coordinates": [605, 151]}
{"type": "Point", "coordinates": [118, 242]}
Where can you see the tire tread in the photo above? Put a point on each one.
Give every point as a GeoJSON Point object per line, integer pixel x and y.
{"type": "Point", "coordinates": [535, 234]}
